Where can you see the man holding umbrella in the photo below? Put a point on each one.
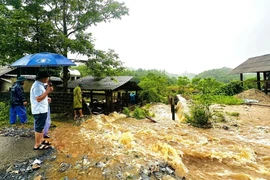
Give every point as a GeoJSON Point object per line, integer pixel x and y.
{"type": "Point", "coordinates": [18, 102]}
{"type": "Point", "coordinates": [39, 108]}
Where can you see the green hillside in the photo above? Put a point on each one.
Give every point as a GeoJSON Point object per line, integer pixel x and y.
{"type": "Point", "coordinates": [221, 74]}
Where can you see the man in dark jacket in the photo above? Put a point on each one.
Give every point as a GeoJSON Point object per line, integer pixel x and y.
{"type": "Point", "coordinates": [18, 102]}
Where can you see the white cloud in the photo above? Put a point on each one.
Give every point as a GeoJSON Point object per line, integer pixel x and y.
{"type": "Point", "coordinates": [187, 35]}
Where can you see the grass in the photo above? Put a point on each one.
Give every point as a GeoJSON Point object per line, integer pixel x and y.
{"type": "Point", "coordinates": [217, 99]}
{"type": "Point", "coordinates": [56, 118]}
{"type": "Point", "coordinates": [235, 114]}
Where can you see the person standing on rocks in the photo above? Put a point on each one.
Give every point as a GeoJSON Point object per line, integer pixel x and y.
{"type": "Point", "coordinates": [77, 101]}
{"type": "Point", "coordinates": [18, 102]}
{"type": "Point", "coordinates": [39, 108]}
{"type": "Point", "coordinates": [48, 120]}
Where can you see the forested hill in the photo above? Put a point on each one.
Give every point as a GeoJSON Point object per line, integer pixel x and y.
{"type": "Point", "coordinates": [221, 75]}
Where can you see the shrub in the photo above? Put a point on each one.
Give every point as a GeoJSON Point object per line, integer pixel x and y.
{"type": "Point", "coordinates": [218, 117]}
{"type": "Point", "coordinates": [199, 115]}
{"type": "Point", "coordinates": [126, 111]}
{"type": "Point", "coordinates": [4, 113]}
{"type": "Point", "coordinates": [139, 113]}
{"type": "Point", "coordinates": [230, 89]}
{"type": "Point", "coordinates": [235, 114]}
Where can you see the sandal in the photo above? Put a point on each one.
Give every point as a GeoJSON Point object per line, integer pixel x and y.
{"type": "Point", "coordinates": [46, 142]}
{"type": "Point", "coordinates": [46, 136]}
{"type": "Point", "coordinates": [42, 147]}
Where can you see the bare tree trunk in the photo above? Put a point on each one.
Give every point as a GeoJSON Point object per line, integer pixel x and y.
{"type": "Point", "coordinates": [65, 69]}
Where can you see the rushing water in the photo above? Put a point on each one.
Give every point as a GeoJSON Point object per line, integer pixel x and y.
{"type": "Point", "coordinates": [117, 147]}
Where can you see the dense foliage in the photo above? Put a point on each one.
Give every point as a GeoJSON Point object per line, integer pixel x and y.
{"type": "Point", "coordinates": [200, 116]}
{"type": "Point", "coordinates": [154, 88]}
{"type": "Point", "coordinates": [59, 26]}
{"type": "Point", "coordinates": [104, 64]}
{"type": "Point", "coordinates": [4, 114]}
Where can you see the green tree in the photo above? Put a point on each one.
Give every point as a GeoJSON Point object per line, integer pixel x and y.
{"type": "Point", "coordinates": [154, 88]}
{"type": "Point", "coordinates": [14, 28]}
{"type": "Point", "coordinates": [73, 17]}
{"type": "Point", "coordinates": [183, 82]}
{"type": "Point", "coordinates": [84, 70]}
{"type": "Point", "coordinates": [104, 64]}
{"type": "Point", "coordinates": [208, 85]}
{"type": "Point", "coordinates": [60, 26]}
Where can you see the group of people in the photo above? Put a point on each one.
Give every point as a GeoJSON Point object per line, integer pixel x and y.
{"type": "Point", "coordinates": [40, 108]}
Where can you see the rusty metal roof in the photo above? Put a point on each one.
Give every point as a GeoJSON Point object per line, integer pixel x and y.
{"type": "Point", "coordinates": [107, 83]}
{"type": "Point", "coordinates": [253, 65]}
{"type": "Point", "coordinates": [33, 77]}
{"type": "Point", "coordinates": [5, 69]}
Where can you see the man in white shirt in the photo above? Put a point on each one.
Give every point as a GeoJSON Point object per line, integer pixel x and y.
{"type": "Point", "coordinates": [39, 108]}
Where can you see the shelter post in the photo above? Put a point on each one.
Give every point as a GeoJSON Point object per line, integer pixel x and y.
{"type": "Point", "coordinates": [65, 78]}
{"type": "Point", "coordinates": [258, 81]}
{"type": "Point", "coordinates": [19, 72]}
{"type": "Point", "coordinates": [242, 79]}
{"type": "Point", "coordinates": [265, 82]}
{"type": "Point", "coordinates": [91, 99]}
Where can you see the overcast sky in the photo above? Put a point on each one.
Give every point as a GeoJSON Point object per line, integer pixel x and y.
{"type": "Point", "coordinates": [187, 35]}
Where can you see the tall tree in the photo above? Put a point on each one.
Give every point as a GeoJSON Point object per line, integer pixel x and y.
{"type": "Point", "coordinates": [60, 26]}
{"type": "Point", "coordinates": [155, 88]}
{"type": "Point", "coordinates": [72, 18]}
{"type": "Point", "coordinates": [104, 64]}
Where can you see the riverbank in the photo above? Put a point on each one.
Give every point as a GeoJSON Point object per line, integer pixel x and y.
{"type": "Point", "coordinates": [119, 147]}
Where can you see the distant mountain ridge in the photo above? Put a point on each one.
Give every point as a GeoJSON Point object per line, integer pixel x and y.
{"type": "Point", "coordinates": [221, 74]}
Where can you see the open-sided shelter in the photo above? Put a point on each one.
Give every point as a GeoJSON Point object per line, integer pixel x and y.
{"type": "Point", "coordinates": [258, 64]}
{"type": "Point", "coordinates": [111, 93]}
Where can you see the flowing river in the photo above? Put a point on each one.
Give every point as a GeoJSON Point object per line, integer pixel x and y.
{"type": "Point", "coordinates": [117, 147]}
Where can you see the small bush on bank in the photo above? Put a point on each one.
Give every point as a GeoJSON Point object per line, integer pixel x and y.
{"type": "Point", "coordinates": [199, 116]}
{"type": "Point", "coordinates": [4, 114]}
{"type": "Point", "coordinates": [139, 113]}
{"type": "Point", "coordinates": [235, 114]}
{"type": "Point", "coordinates": [126, 111]}
{"type": "Point", "coordinates": [218, 117]}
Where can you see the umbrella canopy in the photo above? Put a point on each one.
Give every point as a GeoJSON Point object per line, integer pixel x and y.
{"type": "Point", "coordinates": [43, 59]}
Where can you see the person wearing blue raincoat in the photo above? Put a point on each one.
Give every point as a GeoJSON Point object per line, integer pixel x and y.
{"type": "Point", "coordinates": [18, 102]}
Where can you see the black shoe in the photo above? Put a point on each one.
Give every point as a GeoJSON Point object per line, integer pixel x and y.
{"type": "Point", "coordinates": [46, 136]}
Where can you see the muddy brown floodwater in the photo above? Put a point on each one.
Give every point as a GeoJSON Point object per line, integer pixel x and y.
{"type": "Point", "coordinates": [241, 151]}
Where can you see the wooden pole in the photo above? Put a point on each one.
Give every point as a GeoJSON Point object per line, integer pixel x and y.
{"type": "Point", "coordinates": [258, 80]}
{"type": "Point", "coordinates": [265, 83]}
{"type": "Point", "coordinates": [242, 79]}
{"type": "Point", "coordinates": [172, 108]}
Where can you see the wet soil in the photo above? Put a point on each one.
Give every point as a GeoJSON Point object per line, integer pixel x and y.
{"type": "Point", "coordinates": [118, 147]}
{"type": "Point", "coordinates": [14, 149]}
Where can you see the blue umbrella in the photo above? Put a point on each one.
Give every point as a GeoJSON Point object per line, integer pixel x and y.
{"type": "Point", "coordinates": [43, 59]}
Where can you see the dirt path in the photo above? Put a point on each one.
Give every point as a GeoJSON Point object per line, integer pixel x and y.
{"type": "Point", "coordinates": [13, 149]}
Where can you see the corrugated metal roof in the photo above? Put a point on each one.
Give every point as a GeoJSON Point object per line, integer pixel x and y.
{"type": "Point", "coordinates": [5, 70]}
{"type": "Point", "coordinates": [107, 83]}
{"type": "Point", "coordinates": [33, 77]}
{"type": "Point", "coordinates": [253, 65]}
